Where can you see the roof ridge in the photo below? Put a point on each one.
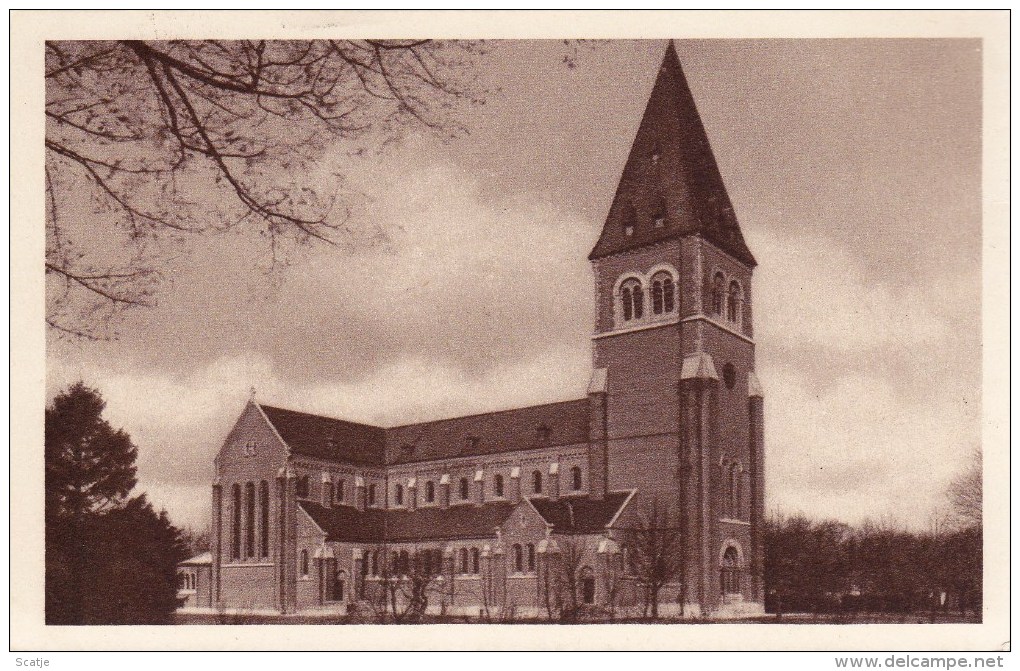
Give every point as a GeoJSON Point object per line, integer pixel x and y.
{"type": "Point", "coordinates": [265, 406]}
{"type": "Point", "coordinates": [490, 412]}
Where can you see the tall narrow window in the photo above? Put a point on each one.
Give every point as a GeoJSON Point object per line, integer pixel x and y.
{"type": "Point", "coordinates": [371, 494]}
{"type": "Point", "coordinates": [304, 563]}
{"type": "Point", "coordinates": [518, 558]}
{"type": "Point", "coordinates": [464, 489]}
{"type": "Point", "coordinates": [497, 484]}
{"type": "Point", "coordinates": [263, 519]}
{"type": "Point", "coordinates": [398, 495]}
{"type": "Point", "coordinates": [668, 294]}
{"type": "Point", "coordinates": [718, 289]}
{"type": "Point", "coordinates": [733, 485]}
{"type": "Point", "coordinates": [632, 299]}
{"type": "Point", "coordinates": [249, 519]}
{"type": "Point", "coordinates": [536, 482]}
{"type": "Point", "coordinates": [405, 563]}
{"type": "Point", "coordinates": [575, 478]}
{"type": "Point", "coordinates": [531, 557]}
{"type": "Point", "coordinates": [430, 492]}
{"type": "Point", "coordinates": [235, 527]}
{"type": "Point", "coordinates": [733, 302]}
{"type": "Point", "coordinates": [340, 490]}
{"type": "Point", "coordinates": [464, 560]}
{"type": "Point", "coordinates": [301, 488]}
{"type": "Point", "coordinates": [327, 496]}
{"type": "Point", "coordinates": [662, 293]}
{"type": "Point", "coordinates": [476, 564]}
{"type": "Point", "coordinates": [375, 563]}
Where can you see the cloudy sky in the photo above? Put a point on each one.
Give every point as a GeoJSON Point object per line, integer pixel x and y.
{"type": "Point", "coordinates": [854, 168]}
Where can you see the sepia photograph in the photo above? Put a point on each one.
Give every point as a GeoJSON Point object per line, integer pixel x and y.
{"type": "Point", "coordinates": [648, 331]}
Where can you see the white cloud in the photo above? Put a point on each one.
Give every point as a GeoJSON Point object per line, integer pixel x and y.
{"type": "Point", "coordinates": [854, 448]}
{"type": "Point", "coordinates": [812, 292]}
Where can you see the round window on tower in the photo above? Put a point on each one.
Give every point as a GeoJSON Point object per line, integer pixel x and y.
{"type": "Point", "coordinates": [729, 375]}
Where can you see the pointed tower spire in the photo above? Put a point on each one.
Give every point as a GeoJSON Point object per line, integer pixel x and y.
{"type": "Point", "coordinates": [671, 185]}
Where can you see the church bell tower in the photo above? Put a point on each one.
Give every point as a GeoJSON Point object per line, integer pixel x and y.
{"type": "Point", "coordinates": [674, 350]}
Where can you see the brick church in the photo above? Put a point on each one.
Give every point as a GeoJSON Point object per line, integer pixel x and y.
{"type": "Point", "coordinates": [533, 510]}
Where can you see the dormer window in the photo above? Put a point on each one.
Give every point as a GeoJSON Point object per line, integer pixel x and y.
{"type": "Point", "coordinates": [629, 219]}
{"type": "Point", "coordinates": [543, 433]}
{"type": "Point", "coordinates": [660, 214]}
{"type": "Point", "coordinates": [471, 443]}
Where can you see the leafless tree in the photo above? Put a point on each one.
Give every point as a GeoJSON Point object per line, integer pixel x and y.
{"type": "Point", "coordinates": [965, 493]}
{"type": "Point", "coordinates": [149, 143]}
{"type": "Point", "coordinates": [406, 580]}
{"type": "Point", "coordinates": [559, 576]}
{"type": "Point", "coordinates": [655, 553]}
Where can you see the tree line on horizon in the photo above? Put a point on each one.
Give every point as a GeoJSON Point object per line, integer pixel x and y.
{"type": "Point", "coordinates": [111, 558]}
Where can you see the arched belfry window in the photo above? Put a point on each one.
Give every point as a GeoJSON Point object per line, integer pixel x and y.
{"type": "Point", "coordinates": [430, 492]}
{"type": "Point", "coordinates": [497, 485]}
{"type": "Point", "coordinates": [536, 482]}
{"type": "Point", "coordinates": [718, 291]}
{"type": "Point", "coordinates": [632, 300]}
{"type": "Point", "coordinates": [575, 478]}
{"type": "Point", "coordinates": [733, 302]}
{"type": "Point", "coordinates": [729, 572]}
{"type": "Point", "coordinates": [663, 293]}
{"type": "Point", "coordinates": [398, 495]}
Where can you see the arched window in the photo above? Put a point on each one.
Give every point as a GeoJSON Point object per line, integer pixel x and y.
{"type": "Point", "coordinates": [718, 289]}
{"type": "Point", "coordinates": [575, 478]}
{"type": "Point", "coordinates": [430, 492]}
{"type": "Point", "coordinates": [235, 530]}
{"type": "Point", "coordinates": [733, 302]}
{"type": "Point", "coordinates": [340, 490]}
{"type": "Point", "coordinates": [398, 495]}
{"type": "Point", "coordinates": [249, 519]}
{"type": "Point", "coordinates": [263, 519]}
{"type": "Point", "coordinates": [518, 558]}
{"type": "Point", "coordinates": [476, 561]}
{"type": "Point", "coordinates": [464, 489]}
{"type": "Point", "coordinates": [304, 562]}
{"type": "Point", "coordinates": [497, 484]}
{"type": "Point", "coordinates": [531, 557]}
{"type": "Point", "coordinates": [327, 496]}
{"type": "Point", "coordinates": [464, 560]}
{"type": "Point", "coordinates": [371, 494]}
{"type": "Point", "coordinates": [536, 482]}
{"type": "Point", "coordinates": [663, 293]}
{"type": "Point", "coordinates": [632, 299]}
{"type": "Point", "coordinates": [729, 572]}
